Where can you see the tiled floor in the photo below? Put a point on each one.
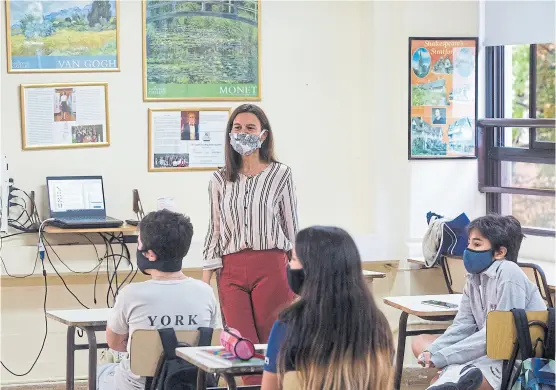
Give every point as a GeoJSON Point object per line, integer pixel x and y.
{"type": "Point", "coordinates": [414, 379]}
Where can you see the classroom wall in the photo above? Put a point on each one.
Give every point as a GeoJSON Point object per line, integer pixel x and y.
{"type": "Point", "coordinates": [335, 88]}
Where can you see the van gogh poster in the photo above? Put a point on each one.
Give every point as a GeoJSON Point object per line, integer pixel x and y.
{"type": "Point", "coordinates": [62, 35]}
{"type": "Point", "coordinates": [442, 98]}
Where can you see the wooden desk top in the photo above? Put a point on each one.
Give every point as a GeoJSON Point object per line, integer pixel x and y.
{"type": "Point", "coordinates": [213, 364]}
{"type": "Point", "coordinates": [80, 317]}
{"type": "Point", "coordinates": [412, 304]}
{"type": "Point", "coordinates": [417, 260]}
{"type": "Point", "coordinates": [125, 228]}
{"type": "Point", "coordinates": [373, 274]}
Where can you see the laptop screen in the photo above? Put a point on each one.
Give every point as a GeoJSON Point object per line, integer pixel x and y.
{"type": "Point", "coordinates": [75, 196]}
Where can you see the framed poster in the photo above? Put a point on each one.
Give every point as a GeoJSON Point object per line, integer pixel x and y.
{"type": "Point", "coordinates": [55, 116]}
{"type": "Point", "coordinates": [442, 98]}
{"type": "Point", "coordinates": [197, 50]}
{"type": "Point", "coordinates": [184, 139]}
{"type": "Point", "coordinates": [62, 36]}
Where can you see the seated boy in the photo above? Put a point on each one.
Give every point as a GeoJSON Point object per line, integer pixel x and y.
{"type": "Point", "coordinates": [168, 300]}
{"type": "Point", "coordinates": [494, 282]}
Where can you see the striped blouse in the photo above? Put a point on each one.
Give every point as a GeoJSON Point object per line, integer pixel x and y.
{"type": "Point", "coordinates": [258, 212]}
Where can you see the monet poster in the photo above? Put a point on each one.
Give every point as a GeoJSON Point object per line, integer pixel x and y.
{"type": "Point", "coordinates": [442, 98]}
{"type": "Point", "coordinates": [201, 50]}
{"type": "Point", "coordinates": [62, 35]}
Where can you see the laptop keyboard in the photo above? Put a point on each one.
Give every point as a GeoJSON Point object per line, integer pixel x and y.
{"type": "Point", "coordinates": [88, 219]}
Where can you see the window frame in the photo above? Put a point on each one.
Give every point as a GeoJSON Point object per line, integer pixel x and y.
{"type": "Point", "coordinates": [491, 150]}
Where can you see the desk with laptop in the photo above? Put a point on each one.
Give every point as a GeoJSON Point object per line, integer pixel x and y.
{"type": "Point", "coordinates": [77, 202]}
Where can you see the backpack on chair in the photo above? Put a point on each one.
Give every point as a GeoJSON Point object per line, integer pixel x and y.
{"type": "Point", "coordinates": [174, 373]}
{"type": "Point", "coordinates": [535, 373]}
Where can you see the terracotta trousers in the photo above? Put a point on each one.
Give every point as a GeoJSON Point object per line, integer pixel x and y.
{"type": "Point", "coordinates": [253, 289]}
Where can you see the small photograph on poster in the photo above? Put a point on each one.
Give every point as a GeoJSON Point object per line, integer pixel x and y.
{"type": "Point", "coordinates": [426, 139]}
{"type": "Point", "coordinates": [187, 138]}
{"type": "Point", "coordinates": [465, 61]}
{"type": "Point", "coordinates": [82, 134]}
{"type": "Point", "coordinates": [190, 125]}
{"type": "Point", "coordinates": [52, 118]}
{"type": "Point", "coordinates": [421, 62]}
{"type": "Point", "coordinates": [461, 136]}
{"type": "Point", "coordinates": [64, 107]}
{"type": "Point", "coordinates": [430, 94]}
{"type": "Point", "coordinates": [443, 65]}
{"type": "Point", "coordinates": [171, 160]}
{"type": "Point", "coordinates": [442, 104]}
{"type": "Point", "coordinates": [439, 116]}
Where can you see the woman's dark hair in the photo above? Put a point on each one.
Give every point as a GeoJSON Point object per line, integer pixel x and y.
{"type": "Point", "coordinates": [336, 335]}
{"type": "Point", "coordinates": [266, 152]}
{"type": "Point", "coordinates": [501, 231]}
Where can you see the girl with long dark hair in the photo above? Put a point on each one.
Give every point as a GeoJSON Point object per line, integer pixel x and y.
{"type": "Point", "coordinates": [334, 335]}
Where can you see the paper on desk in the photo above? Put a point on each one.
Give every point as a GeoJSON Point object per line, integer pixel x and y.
{"type": "Point", "coordinates": [166, 203]}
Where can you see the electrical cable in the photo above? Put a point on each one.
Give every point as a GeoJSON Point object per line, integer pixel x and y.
{"type": "Point", "coordinates": [63, 281]}
{"type": "Point", "coordinates": [45, 326]}
{"type": "Point", "coordinates": [2, 238]}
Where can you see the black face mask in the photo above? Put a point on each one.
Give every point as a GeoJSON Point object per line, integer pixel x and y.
{"type": "Point", "coordinates": [296, 277]}
{"type": "Point", "coordinates": [143, 263]}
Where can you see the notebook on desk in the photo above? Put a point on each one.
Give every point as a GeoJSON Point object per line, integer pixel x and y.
{"type": "Point", "coordinates": [77, 202]}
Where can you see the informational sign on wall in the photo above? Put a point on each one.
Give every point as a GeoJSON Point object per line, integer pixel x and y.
{"type": "Point", "coordinates": [187, 139]}
{"type": "Point", "coordinates": [57, 116]}
{"type": "Point", "coordinates": [442, 98]}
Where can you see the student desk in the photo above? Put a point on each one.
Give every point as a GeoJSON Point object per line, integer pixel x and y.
{"type": "Point", "coordinates": [412, 305]}
{"type": "Point", "coordinates": [420, 261]}
{"type": "Point", "coordinates": [91, 321]}
{"type": "Point", "coordinates": [372, 275]}
{"type": "Point", "coordinates": [208, 364]}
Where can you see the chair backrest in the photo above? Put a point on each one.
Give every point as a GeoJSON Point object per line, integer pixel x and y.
{"type": "Point", "coordinates": [291, 381]}
{"type": "Point", "coordinates": [501, 334]}
{"type": "Point", "coordinates": [536, 275]}
{"type": "Point", "coordinates": [454, 274]}
{"type": "Point", "coordinates": [145, 348]}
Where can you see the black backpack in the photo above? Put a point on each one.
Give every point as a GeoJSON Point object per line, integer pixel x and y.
{"type": "Point", "coordinates": [174, 373]}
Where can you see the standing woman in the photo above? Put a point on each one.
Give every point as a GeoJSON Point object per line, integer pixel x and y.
{"type": "Point", "coordinates": [252, 228]}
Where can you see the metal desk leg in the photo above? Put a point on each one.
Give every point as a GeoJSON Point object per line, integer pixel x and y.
{"type": "Point", "coordinates": [201, 380]}
{"type": "Point", "coordinates": [92, 339]}
{"type": "Point", "coordinates": [231, 381]}
{"type": "Point", "coordinates": [70, 358]}
{"type": "Point", "coordinates": [401, 350]}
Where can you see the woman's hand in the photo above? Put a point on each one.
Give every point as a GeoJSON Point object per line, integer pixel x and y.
{"type": "Point", "coordinates": [424, 359]}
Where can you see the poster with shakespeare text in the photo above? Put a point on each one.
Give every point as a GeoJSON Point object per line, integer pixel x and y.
{"type": "Point", "coordinates": [64, 115]}
{"type": "Point", "coordinates": [442, 98]}
{"type": "Point", "coordinates": [62, 36]}
{"type": "Point", "coordinates": [201, 50]}
{"type": "Point", "coordinates": [182, 139]}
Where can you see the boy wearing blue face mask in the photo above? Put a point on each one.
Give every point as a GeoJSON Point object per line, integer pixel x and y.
{"type": "Point", "coordinates": [494, 282]}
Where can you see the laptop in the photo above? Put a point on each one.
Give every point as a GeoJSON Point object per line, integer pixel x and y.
{"type": "Point", "coordinates": [77, 202]}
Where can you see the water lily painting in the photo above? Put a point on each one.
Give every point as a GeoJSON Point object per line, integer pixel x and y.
{"type": "Point", "coordinates": [201, 50]}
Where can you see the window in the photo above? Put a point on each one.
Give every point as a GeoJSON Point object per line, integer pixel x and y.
{"type": "Point", "coordinates": [516, 150]}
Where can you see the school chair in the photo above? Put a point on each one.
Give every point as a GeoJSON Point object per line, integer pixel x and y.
{"type": "Point", "coordinates": [453, 266]}
{"type": "Point", "coordinates": [291, 381]}
{"type": "Point", "coordinates": [146, 348]}
{"type": "Point", "coordinates": [536, 275]}
{"type": "Point", "coordinates": [501, 338]}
